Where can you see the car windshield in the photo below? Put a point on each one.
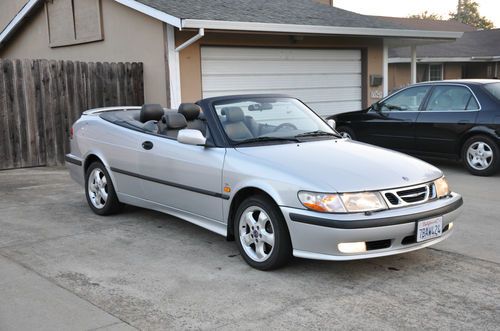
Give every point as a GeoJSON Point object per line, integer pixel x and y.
{"type": "Point", "coordinates": [266, 119]}
{"type": "Point", "coordinates": [494, 89]}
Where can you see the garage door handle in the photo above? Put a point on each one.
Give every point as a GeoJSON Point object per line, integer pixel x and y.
{"type": "Point", "coordinates": [147, 145]}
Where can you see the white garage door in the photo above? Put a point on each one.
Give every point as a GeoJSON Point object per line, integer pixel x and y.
{"type": "Point", "coordinates": [329, 81]}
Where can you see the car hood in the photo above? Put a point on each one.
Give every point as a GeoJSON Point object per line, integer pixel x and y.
{"type": "Point", "coordinates": [344, 165]}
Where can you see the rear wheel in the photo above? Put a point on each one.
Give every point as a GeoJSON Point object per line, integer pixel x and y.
{"type": "Point", "coordinates": [346, 132]}
{"type": "Point", "coordinates": [480, 155]}
{"type": "Point", "coordinates": [262, 235]}
{"type": "Point", "coordinates": [99, 190]}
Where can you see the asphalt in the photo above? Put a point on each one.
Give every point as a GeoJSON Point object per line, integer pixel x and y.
{"type": "Point", "coordinates": [62, 267]}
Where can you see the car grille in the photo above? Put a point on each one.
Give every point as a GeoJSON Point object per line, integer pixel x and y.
{"type": "Point", "coordinates": [409, 195]}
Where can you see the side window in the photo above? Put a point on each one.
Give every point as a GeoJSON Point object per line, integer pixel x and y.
{"type": "Point", "coordinates": [73, 22]}
{"type": "Point", "coordinates": [450, 98]}
{"type": "Point", "coordinates": [407, 100]}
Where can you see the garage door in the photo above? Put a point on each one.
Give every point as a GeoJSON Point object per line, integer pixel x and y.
{"type": "Point", "coordinates": [329, 81]}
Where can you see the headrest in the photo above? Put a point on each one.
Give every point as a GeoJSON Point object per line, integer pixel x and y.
{"type": "Point", "coordinates": [174, 121]}
{"type": "Point", "coordinates": [151, 112]}
{"type": "Point", "coordinates": [233, 114]}
{"type": "Point", "coordinates": [190, 111]}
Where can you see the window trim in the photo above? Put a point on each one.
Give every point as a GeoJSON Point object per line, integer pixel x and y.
{"type": "Point", "coordinates": [424, 109]}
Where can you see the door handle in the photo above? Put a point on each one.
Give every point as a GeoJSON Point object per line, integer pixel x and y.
{"type": "Point", "coordinates": [463, 122]}
{"type": "Point", "coordinates": [147, 145]}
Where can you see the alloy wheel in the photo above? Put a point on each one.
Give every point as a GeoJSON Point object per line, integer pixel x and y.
{"type": "Point", "coordinates": [256, 233]}
{"type": "Point", "coordinates": [98, 188]}
{"type": "Point", "coordinates": [479, 155]}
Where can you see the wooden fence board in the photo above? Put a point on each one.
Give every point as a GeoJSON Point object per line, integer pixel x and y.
{"type": "Point", "coordinates": [41, 99]}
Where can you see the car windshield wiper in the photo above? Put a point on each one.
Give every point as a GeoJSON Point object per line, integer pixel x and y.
{"type": "Point", "coordinates": [318, 133]}
{"type": "Point", "coordinates": [264, 139]}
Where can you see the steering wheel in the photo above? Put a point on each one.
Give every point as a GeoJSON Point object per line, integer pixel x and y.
{"type": "Point", "coordinates": [285, 125]}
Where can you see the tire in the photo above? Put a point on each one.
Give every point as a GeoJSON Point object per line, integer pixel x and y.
{"type": "Point", "coordinates": [261, 234]}
{"type": "Point", "coordinates": [96, 190]}
{"type": "Point", "coordinates": [346, 132]}
{"type": "Point", "coordinates": [481, 156]}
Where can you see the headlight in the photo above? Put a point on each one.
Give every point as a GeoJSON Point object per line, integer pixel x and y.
{"type": "Point", "coordinates": [442, 187]}
{"type": "Point", "coordinates": [342, 203]}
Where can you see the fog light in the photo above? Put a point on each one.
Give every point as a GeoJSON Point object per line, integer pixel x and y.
{"type": "Point", "coordinates": [357, 247]}
{"type": "Point", "coordinates": [450, 225]}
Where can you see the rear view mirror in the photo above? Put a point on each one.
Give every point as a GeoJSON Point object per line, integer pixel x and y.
{"type": "Point", "coordinates": [260, 106]}
{"type": "Point", "coordinates": [191, 137]}
{"type": "Point", "coordinates": [332, 123]}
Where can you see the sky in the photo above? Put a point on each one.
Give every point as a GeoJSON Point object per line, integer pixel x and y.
{"type": "Point", "coordinates": [403, 8]}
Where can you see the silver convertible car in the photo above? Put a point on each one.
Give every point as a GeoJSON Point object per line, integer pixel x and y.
{"type": "Point", "coordinates": [266, 171]}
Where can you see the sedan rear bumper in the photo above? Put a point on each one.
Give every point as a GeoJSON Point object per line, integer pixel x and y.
{"type": "Point", "coordinates": [316, 235]}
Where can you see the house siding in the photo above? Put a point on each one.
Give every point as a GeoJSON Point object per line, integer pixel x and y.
{"type": "Point", "coordinates": [129, 36]}
{"type": "Point", "coordinates": [190, 57]}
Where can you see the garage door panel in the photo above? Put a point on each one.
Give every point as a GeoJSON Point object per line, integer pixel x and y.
{"type": "Point", "coordinates": [251, 53]}
{"type": "Point", "coordinates": [335, 107]}
{"type": "Point", "coordinates": [327, 80]}
{"type": "Point", "coordinates": [224, 82]}
{"type": "Point", "coordinates": [263, 67]}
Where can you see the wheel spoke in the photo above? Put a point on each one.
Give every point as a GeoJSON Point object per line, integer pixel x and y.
{"type": "Point", "coordinates": [268, 238]}
{"type": "Point", "coordinates": [249, 220]}
{"type": "Point", "coordinates": [262, 220]}
{"type": "Point", "coordinates": [259, 249]}
{"type": "Point", "coordinates": [247, 239]}
{"type": "Point", "coordinates": [488, 154]}
{"type": "Point", "coordinates": [97, 178]}
{"type": "Point", "coordinates": [103, 194]}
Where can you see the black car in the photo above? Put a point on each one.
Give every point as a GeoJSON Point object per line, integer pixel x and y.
{"type": "Point", "coordinates": [457, 119]}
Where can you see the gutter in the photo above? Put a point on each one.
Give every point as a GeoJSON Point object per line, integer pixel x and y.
{"type": "Point", "coordinates": [446, 59]}
{"type": "Point", "coordinates": [316, 29]}
{"type": "Point", "coordinates": [201, 33]}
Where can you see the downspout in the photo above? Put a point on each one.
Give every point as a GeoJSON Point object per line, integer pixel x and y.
{"type": "Point", "coordinates": [201, 33]}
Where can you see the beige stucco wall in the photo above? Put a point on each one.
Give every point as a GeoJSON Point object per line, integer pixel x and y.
{"type": "Point", "coordinates": [129, 36]}
{"type": "Point", "coordinates": [190, 57]}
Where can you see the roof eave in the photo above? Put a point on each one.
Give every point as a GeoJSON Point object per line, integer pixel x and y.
{"type": "Point", "coordinates": [429, 59]}
{"type": "Point", "coordinates": [14, 23]}
{"type": "Point", "coordinates": [316, 29]}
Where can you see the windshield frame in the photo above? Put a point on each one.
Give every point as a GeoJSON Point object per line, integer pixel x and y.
{"type": "Point", "coordinates": [218, 101]}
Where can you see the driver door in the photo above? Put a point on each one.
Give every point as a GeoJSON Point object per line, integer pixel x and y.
{"type": "Point", "coordinates": [183, 177]}
{"type": "Point", "coordinates": [392, 125]}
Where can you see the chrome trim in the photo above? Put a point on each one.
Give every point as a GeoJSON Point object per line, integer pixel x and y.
{"type": "Point", "coordinates": [429, 193]}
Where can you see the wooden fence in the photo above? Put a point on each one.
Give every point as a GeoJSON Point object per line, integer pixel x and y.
{"type": "Point", "coordinates": [40, 100]}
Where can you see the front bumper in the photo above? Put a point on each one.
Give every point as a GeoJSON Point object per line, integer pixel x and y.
{"type": "Point", "coordinates": [316, 235]}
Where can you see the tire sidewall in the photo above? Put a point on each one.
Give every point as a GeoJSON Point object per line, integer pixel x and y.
{"type": "Point", "coordinates": [282, 248]}
{"type": "Point", "coordinates": [494, 166]}
{"type": "Point", "coordinates": [111, 204]}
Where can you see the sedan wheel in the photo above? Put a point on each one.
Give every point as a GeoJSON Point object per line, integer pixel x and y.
{"type": "Point", "coordinates": [481, 156]}
{"type": "Point", "coordinates": [256, 234]}
{"type": "Point", "coordinates": [99, 190]}
{"type": "Point", "coordinates": [346, 132]}
{"type": "Point", "coordinates": [261, 233]}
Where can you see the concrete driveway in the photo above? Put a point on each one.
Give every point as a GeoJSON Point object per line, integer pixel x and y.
{"type": "Point", "coordinates": [62, 267]}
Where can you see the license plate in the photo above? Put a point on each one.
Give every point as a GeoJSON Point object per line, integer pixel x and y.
{"type": "Point", "coordinates": [428, 229]}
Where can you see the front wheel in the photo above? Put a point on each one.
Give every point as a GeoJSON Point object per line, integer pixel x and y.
{"type": "Point", "coordinates": [262, 235]}
{"type": "Point", "coordinates": [99, 190]}
{"type": "Point", "coordinates": [346, 132]}
{"type": "Point", "coordinates": [480, 155]}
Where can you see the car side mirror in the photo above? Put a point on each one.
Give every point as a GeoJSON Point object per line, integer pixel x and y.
{"type": "Point", "coordinates": [377, 106]}
{"type": "Point", "coordinates": [191, 137]}
{"type": "Point", "coordinates": [332, 123]}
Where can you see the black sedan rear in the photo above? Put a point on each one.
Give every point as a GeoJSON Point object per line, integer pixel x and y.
{"type": "Point", "coordinates": [457, 119]}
